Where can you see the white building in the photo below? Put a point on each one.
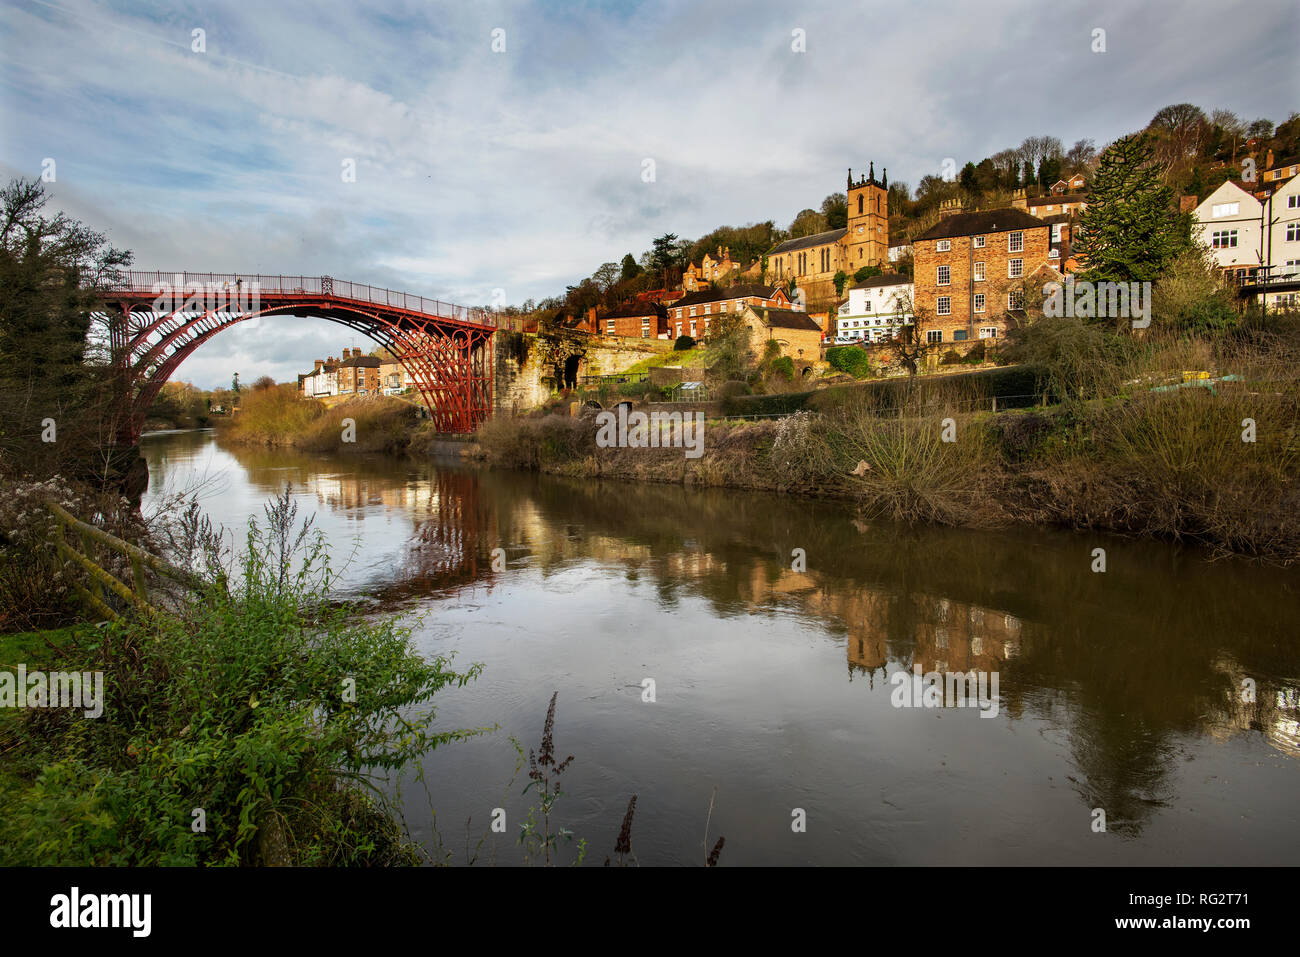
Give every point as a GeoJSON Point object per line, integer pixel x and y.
{"type": "Point", "coordinates": [1229, 222]}
{"type": "Point", "coordinates": [876, 309]}
{"type": "Point", "coordinates": [1282, 241]}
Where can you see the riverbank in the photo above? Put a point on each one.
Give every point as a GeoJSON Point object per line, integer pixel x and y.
{"type": "Point", "coordinates": [1217, 468]}
{"type": "Point", "coordinates": [277, 418]}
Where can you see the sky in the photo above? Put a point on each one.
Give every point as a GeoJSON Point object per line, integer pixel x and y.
{"type": "Point", "coordinates": [503, 151]}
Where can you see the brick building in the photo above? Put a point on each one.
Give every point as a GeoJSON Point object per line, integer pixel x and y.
{"type": "Point", "coordinates": [638, 320]}
{"type": "Point", "coordinates": [970, 268]}
{"type": "Point", "coordinates": [692, 314]}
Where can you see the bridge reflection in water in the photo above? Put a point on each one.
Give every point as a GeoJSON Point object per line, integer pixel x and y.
{"type": "Point", "coordinates": [1120, 672]}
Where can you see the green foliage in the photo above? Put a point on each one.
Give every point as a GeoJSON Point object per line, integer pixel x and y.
{"type": "Point", "coordinates": [850, 359]}
{"type": "Point", "coordinates": [683, 343]}
{"type": "Point", "coordinates": [866, 272]}
{"type": "Point", "coordinates": [840, 278]}
{"type": "Point", "coordinates": [782, 366]}
{"type": "Point", "coordinates": [264, 704]}
{"type": "Point", "coordinates": [1129, 232]}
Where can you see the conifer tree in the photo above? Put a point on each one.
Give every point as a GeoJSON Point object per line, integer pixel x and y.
{"type": "Point", "coordinates": [1130, 231]}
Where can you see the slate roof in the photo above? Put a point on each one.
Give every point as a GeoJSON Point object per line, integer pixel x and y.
{"type": "Point", "coordinates": [1005, 220]}
{"type": "Point", "coordinates": [804, 242]}
{"type": "Point", "coordinates": [740, 290]}
{"type": "Point", "coordinates": [786, 318]}
{"type": "Point", "coordinates": [635, 310]}
{"type": "Point", "coordinates": [1053, 198]}
{"type": "Point", "coordinates": [888, 279]}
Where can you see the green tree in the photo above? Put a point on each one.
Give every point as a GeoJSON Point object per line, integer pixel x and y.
{"type": "Point", "coordinates": [664, 255]}
{"type": "Point", "coordinates": [841, 277]}
{"type": "Point", "coordinates": [630, 268]}
{"type": "Point", "coordinates": [835, 211]}
{"type": "Point", "coordinates": [1130, 231]}
{"type": "Point", "coordinates": [55, 365]}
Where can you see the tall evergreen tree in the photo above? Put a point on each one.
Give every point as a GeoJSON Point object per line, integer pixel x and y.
{"type": "Point", "coordinates": [1130, 230]}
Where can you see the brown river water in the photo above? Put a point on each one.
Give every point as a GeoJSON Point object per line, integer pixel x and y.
{"type": "Point", "coordinates": [783, 639]}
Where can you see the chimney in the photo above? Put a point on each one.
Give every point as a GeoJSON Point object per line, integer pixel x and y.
{"type": "Point", "coordinates": [1268, 163]}
{"type": "Point", "coordinates": [1187, 203]}
{"type": "Point", "coordinates": [319, 363]}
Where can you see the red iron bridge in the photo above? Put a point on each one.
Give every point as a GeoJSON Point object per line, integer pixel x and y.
{"type": "Point", "coordinates": [157, 319]}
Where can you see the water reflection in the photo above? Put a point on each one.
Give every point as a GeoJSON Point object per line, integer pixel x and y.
{"type": "Point", "coordinates": [1117, 672]}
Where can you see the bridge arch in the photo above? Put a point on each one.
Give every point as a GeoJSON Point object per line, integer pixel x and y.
{"type": "Point", "coordinates": [445, 349]}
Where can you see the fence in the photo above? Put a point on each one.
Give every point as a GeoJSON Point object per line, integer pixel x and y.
{"type": "Point", "coordinates": [241, 284]}
{"type": "Point", "coordinates": [135, 595]}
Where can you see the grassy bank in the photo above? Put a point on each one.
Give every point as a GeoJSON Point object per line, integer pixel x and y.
{"type": "Point", "coordinates": [247, 728]}
{"type": "Point", "coordinates": [1129, 449]}
{"type": "Point", "coordinates": [278, 417]}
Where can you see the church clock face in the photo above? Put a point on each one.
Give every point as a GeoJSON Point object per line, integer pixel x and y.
{"type": "Point", "coordinates": [859, 229]}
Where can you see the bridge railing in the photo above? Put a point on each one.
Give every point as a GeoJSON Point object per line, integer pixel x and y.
{"type": "Point", "coordinates": [245, 283]}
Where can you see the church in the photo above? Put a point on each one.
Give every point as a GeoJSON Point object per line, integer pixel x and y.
{"type": "Point", "coordinates": [813, 261]}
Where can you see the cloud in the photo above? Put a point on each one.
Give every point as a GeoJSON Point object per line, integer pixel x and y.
{"type": "Point", "coordinates": [522, 170]}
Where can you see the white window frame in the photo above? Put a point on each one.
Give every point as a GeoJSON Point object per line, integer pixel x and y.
{"type": "Point", "coordinates": [1015, 299]}
{"type": "Point", "coordinates": [1225, 209]}
{"type": "Point", "coordinates": [1015, 268]}
{"type": "Point", "coordinates": [979, 272]}
{"type": "Point", "coordinates": [1016, 242]}
{"type": "Point", "coordinates": [979, 302]}
{"type": "Point", "coordinates": [943, 246]}
{"type": "Point", "coordinates": [988, 332]}
{"type": "Point", "coordinates": [979, 242]}
{"type": "Point", "coordinates": [933, 335]}
{"type": "Point", "coordinates": [943, 306]}
{"type": "Point", "coordinates": [943, 275]}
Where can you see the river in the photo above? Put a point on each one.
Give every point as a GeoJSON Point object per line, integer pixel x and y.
{"type": "Point", "coordinates": [772, 629]}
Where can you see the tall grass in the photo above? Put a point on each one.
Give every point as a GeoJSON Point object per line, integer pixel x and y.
{"type": "Point", "coordinates": [277, 416]}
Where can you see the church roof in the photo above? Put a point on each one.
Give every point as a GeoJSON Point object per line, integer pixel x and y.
{"type": "Point", "coordinates": [804, 242]}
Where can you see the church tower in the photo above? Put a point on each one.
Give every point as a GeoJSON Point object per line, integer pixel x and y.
{"type": "Point", "coordinates": [867, 240]}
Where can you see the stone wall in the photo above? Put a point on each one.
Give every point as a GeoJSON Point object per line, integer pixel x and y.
{"type": "Point", "coordinates": [519, 388]}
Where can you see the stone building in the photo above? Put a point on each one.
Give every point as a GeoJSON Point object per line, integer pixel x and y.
{"type": "Point", "coordinates": [970, 268]}
{"type": "Point", "coordinates": [798, 334]}
{"type": "Point", "coordinates": [710, 270]}
{"type": "Point", "coordinates": [813, 261]}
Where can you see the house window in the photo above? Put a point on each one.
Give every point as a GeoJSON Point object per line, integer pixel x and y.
{"type": "Point", "coordinates": [1015, 268]}
{"type": "Point", "coordinates": [979, 272]}
{"type": "Point", "coordinates": [979, 302]}
{"type": "Point", "coordinates": [692, 313]}
{"type": "Point", "coordinates": [979, 242]}
{"type": "Point", "coordinates": [645, 328]}
{"type": "Point", "coordinates": [959, 335]}
{"type": "Point", "coordinates": [1056, 232]}
{"type": "Point", "coordinates": [1292, 202]}
{"type": "Point", "coordinates": [679, 315]}
{"type": "Point", "coordinates": [943, 305]}
{"type": "Point", "coordinates": [1225, 209]}
{"type": "Point", "coordinates": [943, 245]}
{"type": "Point", "coordinates": [1224, 239]}
{"type": "Point", "coordinates": [934, 335]}
{"type": "Point", "coordinates": [692, 328]}
{"type": "Point", "coordinates": [867, 308]}
{"type": "Point", "coordinates": [1016, 299]}
{"type": "Point", "coordinates": [1292, 232]}
{"type": "Point", "coordinates": [944, 274]}
{"type": "Point", "coordinates": [679, 330]}
{"type": "Point", "coordinates": [722, 307]}
{"type": "Point", "coordinates": [1016, 242]}
{"type": "Point", "coordinates": [609, 327]}
{"type": "Point", "coordinates": [988, 332]}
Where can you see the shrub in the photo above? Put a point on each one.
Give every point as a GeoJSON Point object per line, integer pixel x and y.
{"type": "Point", "coordinates": [238, 706]}
{"type": "Point", "coordinates": [683, 343]}
{"type": "Point", "coordinates": [850, 359]}
{"type": "Point", "coordinates": [950, 358]}
{"type": "Point", "coordinates": [783, 366]}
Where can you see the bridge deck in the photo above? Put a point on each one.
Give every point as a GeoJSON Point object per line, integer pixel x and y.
{"type": "Point", "coordinates": [274, 290]}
